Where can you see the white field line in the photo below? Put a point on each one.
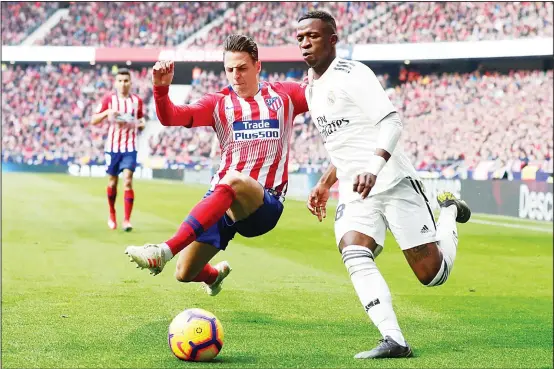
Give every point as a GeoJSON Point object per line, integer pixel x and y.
{"type": "Point", "coordinates": [512, 225]}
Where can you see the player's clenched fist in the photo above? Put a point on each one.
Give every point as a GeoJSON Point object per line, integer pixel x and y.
{"type": "Point", "coordinates": [162, 73]}
{"type": "Point", "coordinates": [363, 183]}
{"type": "Point", "coordinates": [317, 201]}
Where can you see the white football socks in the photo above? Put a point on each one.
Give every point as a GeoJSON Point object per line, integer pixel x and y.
{"type": "Point", "coordinates": [447, 235]}
{"type": "Point", "coordinates": [372, 290]}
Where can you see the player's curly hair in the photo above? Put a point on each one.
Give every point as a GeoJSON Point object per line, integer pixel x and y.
{"type": "Point", "coordinates": [324, 16]}
{"type": "Point", "coordinates": [242, 43]}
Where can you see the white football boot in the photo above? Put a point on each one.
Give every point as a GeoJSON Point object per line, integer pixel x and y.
{"type": "Point", "coordinates": [148, 257]}
{"type": "Point", "coordinates": [127, 226]}
{"type": "Point", "coordinates": [224, 269]}
{"type": "Point", "coordinates": [112, 222]}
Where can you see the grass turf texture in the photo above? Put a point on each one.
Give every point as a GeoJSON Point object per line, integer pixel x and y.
{"type": "Point", "coordinates": [70, 298]}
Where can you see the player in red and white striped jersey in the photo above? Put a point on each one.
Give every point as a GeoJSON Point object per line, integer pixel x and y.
{"type": "Point", "coordinates": [253, 122]}
{"type": "Point", "coordinates": [124, 111]}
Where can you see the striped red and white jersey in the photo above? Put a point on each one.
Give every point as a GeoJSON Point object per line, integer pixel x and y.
{"type": "Point", "coordinates": [122, 138]}
{"type": "Point", "coordinates": [254, 133]}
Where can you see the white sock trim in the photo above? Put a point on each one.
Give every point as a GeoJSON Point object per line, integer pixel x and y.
{"type": "Point", "coordinates": [441, 276]}
{"type": "Point", "coordinates": [354, 258]}
{"type": "Point", "coordinates": [166, 252]}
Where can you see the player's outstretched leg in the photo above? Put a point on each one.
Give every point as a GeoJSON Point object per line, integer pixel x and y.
{"type": "Point", "coordinates": [236, 192]}
{"type": "Point", "coordinates": [204, 215]}
{"type": "Point", "coordinates": [375, 296]}
{"type": "Point", "coordinates": [452, 210]}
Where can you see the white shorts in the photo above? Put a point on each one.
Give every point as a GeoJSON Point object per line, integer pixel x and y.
{"type": "Point", "coordinates": [404, 209]}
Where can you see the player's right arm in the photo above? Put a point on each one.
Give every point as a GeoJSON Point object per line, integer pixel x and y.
{"type": "Point", "coordinates": [103, 111]}
{"type": "Point", "coordinates": [317, 201]}
{"type": "Point", "coordinates": [193, 115]}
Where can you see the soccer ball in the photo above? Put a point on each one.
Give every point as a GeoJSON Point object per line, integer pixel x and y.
{"type": "Point", "coordinates": [195, 335]}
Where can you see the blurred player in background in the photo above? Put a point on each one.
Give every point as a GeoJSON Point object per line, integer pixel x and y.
{"type": "Point", "coordinates": [253, 122]}
{"type": "Point", "coordinates": [125, 115]}
{"type": "Point", "coordinates": [378, 186]}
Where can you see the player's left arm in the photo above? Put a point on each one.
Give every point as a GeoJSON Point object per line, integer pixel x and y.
{"type": "Point", "coordinates": [367, 92]}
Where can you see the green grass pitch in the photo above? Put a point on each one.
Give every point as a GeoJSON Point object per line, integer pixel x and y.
{"type": "Point", "coordinates": [70, 297]}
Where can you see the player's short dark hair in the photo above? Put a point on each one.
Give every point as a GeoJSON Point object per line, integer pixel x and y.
{"type": "Point", "coordinates": [124, 72]}
{"type": "Point", "coordinates": [241, 43]}
{"type": "Point", "coordinates": [324, 16]}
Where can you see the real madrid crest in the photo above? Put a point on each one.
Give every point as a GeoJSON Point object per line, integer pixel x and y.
{"type": "Point", "coordinates": [331, 98]}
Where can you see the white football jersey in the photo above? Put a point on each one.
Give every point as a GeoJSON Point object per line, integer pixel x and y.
{"type": "Point", "coordinates": [347, 104]}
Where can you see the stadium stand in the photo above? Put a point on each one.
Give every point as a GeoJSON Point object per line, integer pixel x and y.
{"type": "Point", "coordinates": [135, 24]}
{"type": "Point", "coordinates": [487, 118]}
{"type": "Point", "coordinates": [273, 24]}
{"type": "Point", "coordinates": [483, 116]}
{"type": "Point", "coordinates": [20, 19]}
{"type": "Point", "coordinates": [463, 21]}
{"type": "Point", "coordinates": [131, 24]}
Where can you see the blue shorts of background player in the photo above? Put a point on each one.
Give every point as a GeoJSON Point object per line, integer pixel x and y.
{"type": "Point", "coordinates": [116, 162]}
{"type": "Point", "coordinates": [263, 220]}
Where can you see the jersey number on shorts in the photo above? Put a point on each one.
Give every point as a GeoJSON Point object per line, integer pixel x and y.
{"type": "Point", "coordinates": [340, 212]}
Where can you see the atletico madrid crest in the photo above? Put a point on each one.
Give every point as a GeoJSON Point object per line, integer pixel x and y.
{"type": "Point", "coordinates": [274, 103]}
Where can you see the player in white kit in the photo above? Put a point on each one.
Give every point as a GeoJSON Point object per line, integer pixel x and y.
{"type": "Point", "coordinates": [378, 186]}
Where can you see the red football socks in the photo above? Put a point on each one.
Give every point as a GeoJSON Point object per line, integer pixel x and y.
{"type": "Point", "coordinates": [112, 193]}
{"type": "Point", "coordinates": [129, 197]}
{"type": "Point", "coordinates": [204, 215]}
{"type": "Point", "coordinates": [208, 275]}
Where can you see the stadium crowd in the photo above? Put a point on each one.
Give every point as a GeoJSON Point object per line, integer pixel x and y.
{"type": "Point", "coordinates": [273, 24]}
{"type": "Point", "coordinates": [475, 117]}
{"type": "Point", "coordinates": [46, 111]}
{"type": "Point", "coordinates": [485, 116]}
{"type": "Point", "coordinates": [20, 19]}
{"type": "Point", "coordinates": [138, 24]}
{"type": "Point", "coordinates": [458, 21]}
{"type": "Point", "coordinates": [460, 119]}
{"type": "Point", "coordinates": [131, 24]}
